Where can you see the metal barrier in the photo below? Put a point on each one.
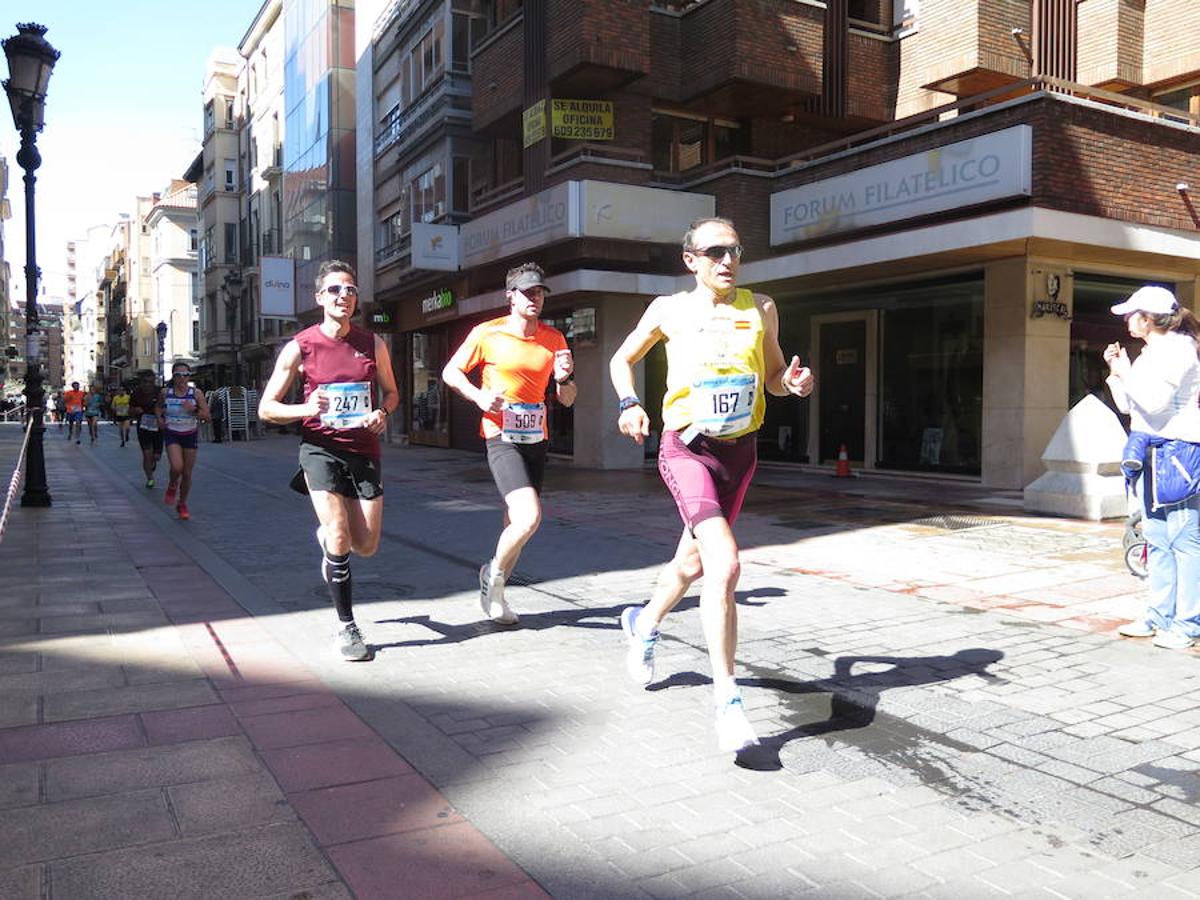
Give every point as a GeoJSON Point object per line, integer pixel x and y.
{"type": "Point", "coordinates": [15, 414]}
{"type": "Point", "coordinates": [15, 483]}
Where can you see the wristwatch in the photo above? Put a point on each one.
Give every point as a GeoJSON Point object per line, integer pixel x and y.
{"type": "Point", "coordinates": [628, 403]}
{"type": "Point", "coordinates": [566, 380]}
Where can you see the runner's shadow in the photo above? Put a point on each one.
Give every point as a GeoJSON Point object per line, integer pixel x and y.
{"type": "Point", "coordinates": [854, 698]}
{"type": "Point", "coordinates": [607, 618]}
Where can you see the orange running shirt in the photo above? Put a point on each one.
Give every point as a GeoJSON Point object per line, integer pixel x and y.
{"type": "Point", "coordinates": [518, 367]}
{"type": "Point", "coordinates": [73, 400]}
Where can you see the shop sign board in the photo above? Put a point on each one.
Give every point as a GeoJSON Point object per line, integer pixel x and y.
{"type": "Point", "coordinates": [533, 120]}
{"type": "Point", "coordinates": [990, 167]}
{"type": "Point", "coordinates": [629, 212]}
{"type": "Point", "coordinates": [573, 209]}
{"type": "Point", "coordinates": [437, 302]}
{"type": "Point", "coordinates": [581, 120]}
{"type": "Point", "coordinates": [278, 288]}
{"type": "Point", "coordinates": [530, 222]}
{"type": "Point", "coordinates": [434, 247]}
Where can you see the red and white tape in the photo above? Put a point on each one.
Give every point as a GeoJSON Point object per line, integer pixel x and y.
{"type": "Point", "coordinates": [14, 484]}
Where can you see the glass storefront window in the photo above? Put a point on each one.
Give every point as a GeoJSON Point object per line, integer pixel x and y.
{"type": "Point", "coordinates": [430, 402]}
{"type": "Point", "coordinates": [1094, 327]}
{"type": "Point", "coordinates": [931, 378]}
{"type": "Point", "coordinates": [560, 420]}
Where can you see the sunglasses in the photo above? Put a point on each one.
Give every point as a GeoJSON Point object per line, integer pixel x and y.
{"type": "Point", "coordinates": [717, 251]}
{"type": "Point", "coordinates": [181, 374]}
{"type": "Point", "coordinates": [336, 290]}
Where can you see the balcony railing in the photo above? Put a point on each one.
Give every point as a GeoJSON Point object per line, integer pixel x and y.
{"type": "Point", "coordinates": [448, 85]}
{"type": "Point", "coordinates": [402, 246]}
{"type": "Point", "coordinates": [491, 197]}
{"type": "Point", "coordinates": [602, 154]}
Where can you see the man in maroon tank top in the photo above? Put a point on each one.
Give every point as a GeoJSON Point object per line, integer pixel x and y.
{"type": "Point", "coordinates": [349, 391]}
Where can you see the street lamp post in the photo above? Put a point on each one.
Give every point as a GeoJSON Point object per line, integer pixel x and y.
{"type": "Point", "coordinates": [30, 61]}
{"type": "Point", "coordinates": [234, 287]}
{"type": "Point", "coordinates": [161, 330]}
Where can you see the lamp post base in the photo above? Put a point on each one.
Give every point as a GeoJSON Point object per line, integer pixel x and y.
{"type": "Point", "coordinates": [36, 492]}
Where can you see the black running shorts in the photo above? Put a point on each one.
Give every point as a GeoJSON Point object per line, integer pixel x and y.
{"type": "Point", "coordinates": [348, 474]}
{"type": "Point", "coordinates": [150, 440]}
{"type": "Point", "coordinates": [517, 465]}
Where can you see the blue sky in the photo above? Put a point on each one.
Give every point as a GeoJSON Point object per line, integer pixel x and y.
{"type": "Point", "coordinates": [124, 113]}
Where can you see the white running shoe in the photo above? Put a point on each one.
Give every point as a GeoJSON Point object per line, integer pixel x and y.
{"type": "Point", "coordinates": [351, 646]}
{"type": "Point", "coordinates": [639, 656]}
{"type": "Point", "coordinates": [491, 597]}
{"type": "Point", "coordinates": [734, 731]}
{"type": "Point", "coordinates": [1137, 629]}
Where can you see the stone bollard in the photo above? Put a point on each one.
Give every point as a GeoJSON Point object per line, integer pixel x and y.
{"type": "Point", "coordinates": [1083, 461]}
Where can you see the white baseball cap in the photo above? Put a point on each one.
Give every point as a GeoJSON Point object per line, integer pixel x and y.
{"type": "Point", "coordinates": [1150, 299]}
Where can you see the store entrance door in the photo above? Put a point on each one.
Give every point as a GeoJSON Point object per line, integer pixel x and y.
{"type": "Point", "coordinates": [845, 407]}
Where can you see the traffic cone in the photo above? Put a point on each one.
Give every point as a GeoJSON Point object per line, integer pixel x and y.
{"type": "Point", "coordinates": [843, 464]}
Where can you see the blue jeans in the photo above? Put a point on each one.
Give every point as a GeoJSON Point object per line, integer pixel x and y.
{"type": "Point", "coordinates": [1174, 538]}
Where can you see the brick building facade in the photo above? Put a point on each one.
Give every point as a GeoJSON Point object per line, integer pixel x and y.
{"type": "Point", "coordinates": [943, 196]}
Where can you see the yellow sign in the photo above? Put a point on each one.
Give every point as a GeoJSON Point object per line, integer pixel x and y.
{"type": "Point", "coordinates": [582, 120]}
{"type": "Point", "coordinates": [534, 120]}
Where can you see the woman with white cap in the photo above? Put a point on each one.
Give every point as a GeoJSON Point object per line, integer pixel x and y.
{"type": "Point", "coordinates": [1160, 392]}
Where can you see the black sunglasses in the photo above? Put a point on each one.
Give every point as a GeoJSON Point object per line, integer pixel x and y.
{"type": "Point", "coordinates": [336, 290]}
{"type": "Point", "coordinates": [717, 251]}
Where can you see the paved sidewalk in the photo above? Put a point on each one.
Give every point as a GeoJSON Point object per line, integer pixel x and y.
{"type": "Point", "coordinates": [155, 741]}
{"type": "Point", "coordinates": [944, 707]}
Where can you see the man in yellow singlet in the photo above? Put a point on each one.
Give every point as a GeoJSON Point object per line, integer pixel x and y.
{"type": "Point", "coordinates": [723, 352]}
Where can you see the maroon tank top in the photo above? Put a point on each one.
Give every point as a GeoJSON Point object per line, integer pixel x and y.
{"type": "Point", "coordinates": [329, 360]}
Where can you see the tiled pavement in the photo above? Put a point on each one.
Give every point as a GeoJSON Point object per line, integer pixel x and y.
{"type": "Point", "coordinates": [945, 713]}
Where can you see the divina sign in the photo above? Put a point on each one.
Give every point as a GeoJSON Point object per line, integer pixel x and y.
{"type": "Point", "coordinates": [990, 167]}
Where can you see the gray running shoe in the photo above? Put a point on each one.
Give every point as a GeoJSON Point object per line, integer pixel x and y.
{"type": "Point", "coordinates": [491, 597]}
{"type": "Point", "coordinates": [351, 645]}
{"type": "Point", "coordinates": [639, 655]}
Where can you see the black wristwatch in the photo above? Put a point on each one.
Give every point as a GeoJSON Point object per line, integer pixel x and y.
{"type": "Point", "coordinates": [566, 380]}
{"type": "Point", "coordinates": [628, 403]}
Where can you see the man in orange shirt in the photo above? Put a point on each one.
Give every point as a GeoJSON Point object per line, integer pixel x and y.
{"type": "Point", "coordinates": [74, 402]}
{"type": "Point", "coordinates": [517, 355]}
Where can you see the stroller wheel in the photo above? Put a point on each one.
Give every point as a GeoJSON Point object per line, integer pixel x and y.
{"type": "Point", "coordinates": [1136, 559]}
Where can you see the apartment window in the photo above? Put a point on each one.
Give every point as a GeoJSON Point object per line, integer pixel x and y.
{"type": "Point", "coordinates": [229, 121]}
{"type": "Point", "coordinates": [682, 142]}
{"type": "Point", "coordinates": [460, 184]}
{"type": "Point", "coordinates": [470, 23]}
{"type": "Point", "coordinates": [1185, 99]}
{"type": "Point", "coordinates": [210, 121]}
{"type": "Point", "coordinates": [429, 195]}
{"type": "Point", "coordinates": [193, 240]}
{"type": "Point", "coordinates": [230, 175]}
{"type": "Point", "coordinates": [231, 242]}
{"type": "Point", "coordinates": [905, 14]}
{"type": "Point", "coordinates": [426, 58]}
{"type": "Point", "coordinates": [210, 183]}
{"type": "Point", "coordinates": [195, 335]}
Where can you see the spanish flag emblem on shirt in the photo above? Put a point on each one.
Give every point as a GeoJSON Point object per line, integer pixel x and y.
{"type": "Point", "coordinates": [741, 323]}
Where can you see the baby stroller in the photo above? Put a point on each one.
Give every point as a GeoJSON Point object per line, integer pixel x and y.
{"type": "Point", "coordinates": [1135, 546]}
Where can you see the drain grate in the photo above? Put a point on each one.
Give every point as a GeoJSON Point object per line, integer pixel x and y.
{"type": "Point", "coordinates": [954, 523]}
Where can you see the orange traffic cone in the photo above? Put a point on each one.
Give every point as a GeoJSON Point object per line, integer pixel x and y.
{"type": "Point", "coordinates": [843, 464]}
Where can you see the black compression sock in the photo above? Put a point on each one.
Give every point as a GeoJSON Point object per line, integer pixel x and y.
{"type": "Point", "coordinates": [340, 585]}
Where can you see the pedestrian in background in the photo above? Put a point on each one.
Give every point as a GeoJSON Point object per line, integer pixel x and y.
{"type": "Point", "coordinates": [119, 402]}
{"type": "Point", "coordinates": [1160, 392]}
{"type": "Point", "coordinates": [93, 408]}
{"type": "Point", "coordinates": [73, 404]}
